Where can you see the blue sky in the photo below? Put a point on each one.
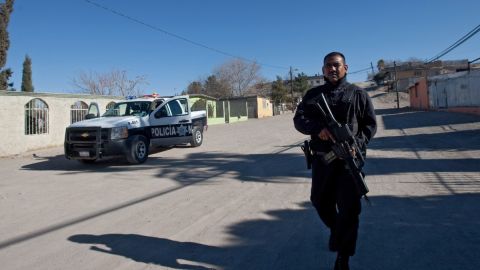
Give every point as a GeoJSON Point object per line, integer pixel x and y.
{"type": "Point", "coordinates": [67, 37]}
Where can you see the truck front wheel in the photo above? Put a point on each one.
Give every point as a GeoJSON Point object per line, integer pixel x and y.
{"type": "Point", "coordinates": [138, 150]}
{"type": "Point", "coordinates": [197, 137]}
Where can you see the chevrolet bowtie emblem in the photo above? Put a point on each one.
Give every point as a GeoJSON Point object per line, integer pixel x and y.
{"type": "Point", "coordinates": [84, 135]}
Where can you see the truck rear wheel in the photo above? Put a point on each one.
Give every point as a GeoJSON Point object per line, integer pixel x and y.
{"type": "Point", "coordinates": [197, 137]}
{"type": "Point", "coordinates": [138, 152]}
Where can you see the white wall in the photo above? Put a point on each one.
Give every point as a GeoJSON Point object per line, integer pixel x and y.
{"type": "Point", "coordinates": [12, 119]}
{"type": "Point", "coordinates": [460, 89]}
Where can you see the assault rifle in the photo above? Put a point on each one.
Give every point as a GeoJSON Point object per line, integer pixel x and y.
{"type": "Point", "coordinates": [345, 146]}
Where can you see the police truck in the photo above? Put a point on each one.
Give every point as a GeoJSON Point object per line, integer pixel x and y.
{"type": "Point", "coordinates": [132, 127]}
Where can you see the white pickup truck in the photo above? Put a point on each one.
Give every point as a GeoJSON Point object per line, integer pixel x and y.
{"type": "Point", "coordinates": [132, 127]}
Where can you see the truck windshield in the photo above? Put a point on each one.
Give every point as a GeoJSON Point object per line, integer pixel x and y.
{"type": "Point", "coordinates": [136, 108]}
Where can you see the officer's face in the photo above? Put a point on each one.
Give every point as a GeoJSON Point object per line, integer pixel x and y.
{"type": "Point", "coordinates": [334, 69]}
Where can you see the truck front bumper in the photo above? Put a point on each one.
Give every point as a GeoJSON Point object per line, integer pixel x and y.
{"type": "Point", "coordinates": [92, 143]}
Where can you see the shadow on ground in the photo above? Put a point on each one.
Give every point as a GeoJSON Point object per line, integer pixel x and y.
{"type": "Point", "coordinates": [404, 118]}
{"type": "Point", "coordinates": [433, 232]}
{"type": "Point", "coordinates": [275, 167]}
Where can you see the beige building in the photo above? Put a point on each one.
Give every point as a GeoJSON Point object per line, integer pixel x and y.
{"type": "Point", "coordinates": [259, 107]}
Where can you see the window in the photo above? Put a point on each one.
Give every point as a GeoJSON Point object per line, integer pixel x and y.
{"type": "Point", "coordinates": [93, 110]}
{"type": "Point", "coordinates": [162, 112]}
{"type": "Point", "coordinates": [36, 117]}
{"type": "Point", "coordinates": [110, 105]}
{"type": "Point", "coordinates": [78, 111]}
{"type": "Point", "coordinates": [177, 107]}
{"type": "Point", "coordinates": [173, 108]}
{"type": "Point", "coordinates": [184, 103]}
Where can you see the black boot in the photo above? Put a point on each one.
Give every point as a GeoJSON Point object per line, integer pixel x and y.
{"type": "Point", "coordinates": [341, 263]}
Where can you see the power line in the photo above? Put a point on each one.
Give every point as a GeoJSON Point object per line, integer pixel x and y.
{"type": "Point", "coordinates": [198, 44]}
{"type": "Point", "coordinates": [456, 44]}
{"type": "Point", "coordinates": [474, 60]}
{"type": "Point", "coordinates": [358, 71]}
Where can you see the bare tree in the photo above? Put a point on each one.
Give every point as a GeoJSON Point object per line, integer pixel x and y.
{"type": "Point", "coordinates": [239, 75]}
{"type": "Point", "coordinates": [262, 88]}
{"type": "Point", "coordinates": [113, 83]}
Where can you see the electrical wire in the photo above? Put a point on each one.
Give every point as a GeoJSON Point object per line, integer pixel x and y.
{"type": "Point", "coordinates": [358, 71]}
{"type": "Point", "coordinates": [456, 44]}
{"type": "Point", "coordinates": [474, 60]}
{"type": "Point", "coordinates": [195, 43]}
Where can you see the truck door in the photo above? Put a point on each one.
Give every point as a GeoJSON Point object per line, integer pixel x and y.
{"type": "Point", "coordinates": [170, 123]}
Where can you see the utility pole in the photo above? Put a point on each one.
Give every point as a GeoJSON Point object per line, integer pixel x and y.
{"type": "Point", "coordinates": [396, 83]}
{"type": "Point", "coordinates": [371, 65]}
{"type": "Point", "coordinates": [291, 89]}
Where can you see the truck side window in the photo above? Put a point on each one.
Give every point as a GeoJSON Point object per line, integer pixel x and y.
{"type": "Point", "coordinates": [176, 108]}
{"type": "Point", "coordinates": [184, 103]}
{"type": "Point", "coordinates": [163, 112]}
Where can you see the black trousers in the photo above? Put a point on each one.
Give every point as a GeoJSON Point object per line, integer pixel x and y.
{"type": "Point", "coordinates": [334, 197]}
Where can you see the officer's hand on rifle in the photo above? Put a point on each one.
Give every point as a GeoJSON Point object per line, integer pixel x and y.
{"type": "Point", "coordinates": [325, 135]}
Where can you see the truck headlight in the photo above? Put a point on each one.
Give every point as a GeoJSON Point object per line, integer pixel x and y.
{"type": "Point", "coordinates": [119, 133]}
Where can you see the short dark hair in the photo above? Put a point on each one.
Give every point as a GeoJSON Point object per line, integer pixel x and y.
{"type": "Point", "coordinates": [334, 54]}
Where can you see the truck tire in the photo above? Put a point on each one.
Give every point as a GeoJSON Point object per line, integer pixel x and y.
{"type": "Point", "coordinates": [197, 137]}
{"type": "Point", "coordinates": [138, 150]}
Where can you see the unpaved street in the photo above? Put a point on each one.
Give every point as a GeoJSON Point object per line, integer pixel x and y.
{"type": "Point", "coordinates": [240, 201]}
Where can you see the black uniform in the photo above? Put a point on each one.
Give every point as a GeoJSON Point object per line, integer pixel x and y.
{"type": "Point", "coordinates": [333, 191]}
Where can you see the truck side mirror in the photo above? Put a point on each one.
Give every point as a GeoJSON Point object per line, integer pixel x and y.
{"type": "Point", "coordinates": [90, 116]}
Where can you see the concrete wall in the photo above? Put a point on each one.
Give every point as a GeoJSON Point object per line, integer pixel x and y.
{"type": "Point", "coordinates": [12, 119]}
{"type": "Point", "coordinates": [419, 95]}
{"type": "Point", "coordinates": [461, 89]}
{"type": "Point", "coordinates": [456, 92]}
{"type": "Point", "coordinates": [264, 107]}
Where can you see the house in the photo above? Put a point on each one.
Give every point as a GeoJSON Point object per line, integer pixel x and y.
{"type": "Point", "coordinates": [259, 107]}
{"type": "Point", "coordinates": [315, 80]}
{"type": "Point", "coordinates": [406, 74]}
{"type": "Point", "coordinates": [458, 92]}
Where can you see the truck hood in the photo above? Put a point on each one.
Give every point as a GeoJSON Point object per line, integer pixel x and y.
{"type": "Point", "coordinates": [109, 122]}
{"type": "Point", "coordinates": [198, 114]}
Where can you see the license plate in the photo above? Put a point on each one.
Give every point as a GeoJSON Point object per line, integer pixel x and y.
{"type": "Point", "coordinates": [84, 154]}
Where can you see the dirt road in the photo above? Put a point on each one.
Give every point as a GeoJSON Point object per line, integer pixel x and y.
{"type": "Point", "coordinates": [240, 201]}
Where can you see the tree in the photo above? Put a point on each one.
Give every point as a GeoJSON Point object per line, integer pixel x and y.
{"type": "Point", "coordinates": [5, 11]}
{"type": "Point", "coordinates": [380, 77]}
{"type": "Point", "coordinates": [261, 88]}
{"type": "Point", "coordinates": [216, 88]}
{"type": "Point", "coordinates": [195, 87]}
{"type": "Point", "coordinates": [238, 75]}
{"type": "Point", "coordinates": [279, 91]}
{"type": "Point", "coordinates": [113, 83]}
{"type": "Point", "coordinates": [300, 83]}
{"type": "Point", "coordinates": [380, 64]}
{"type": "Point", "coordinates": [27, 85]}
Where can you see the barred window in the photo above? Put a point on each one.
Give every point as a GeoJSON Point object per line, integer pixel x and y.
{"type": "Point", "coordinates": [36, 117]}
{"type": "Point", "coordinates": [110, 105]}
{"type": "Point", "coordinates": [78, 111]}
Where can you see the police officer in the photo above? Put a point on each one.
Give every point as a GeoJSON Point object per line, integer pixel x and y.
{"type": "Point", "coordinates": [333, 192]}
